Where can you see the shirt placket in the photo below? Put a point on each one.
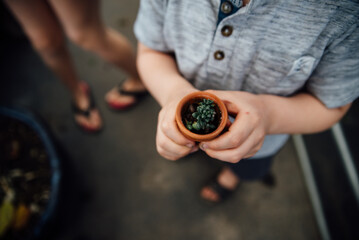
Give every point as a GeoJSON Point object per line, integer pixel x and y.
{"type": "Point", "coordinates": [224, 39]}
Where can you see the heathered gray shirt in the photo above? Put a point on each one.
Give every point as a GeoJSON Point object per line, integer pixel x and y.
{"type": "Point", "coordinates": [276, 47]}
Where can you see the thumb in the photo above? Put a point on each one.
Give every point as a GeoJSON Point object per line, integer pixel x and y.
{"type": "Point", "coordinates": [228, 101]}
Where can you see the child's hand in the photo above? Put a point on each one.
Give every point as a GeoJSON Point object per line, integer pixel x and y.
{"type": "Point", "coordinates": [246, 135]}
{"type": "Point", "coordinates": [170, 142]}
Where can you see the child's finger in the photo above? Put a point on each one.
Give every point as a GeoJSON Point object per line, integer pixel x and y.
{"type": "Point", "coordinates": [237, 133]}
{"type": "Point", "coordinates": [168, 127]}
{"type": "Point", "coordinates": [170, 149]}
{"type": "Point", "coordinates": [233, 155]}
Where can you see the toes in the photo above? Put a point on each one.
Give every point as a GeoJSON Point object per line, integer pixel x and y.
{"type": "Point", "coordinates": [91, 123]}
{"type": "Point", "coordinates": [114, 97]}
{"type": "Point", "coordinates": [208, 194]}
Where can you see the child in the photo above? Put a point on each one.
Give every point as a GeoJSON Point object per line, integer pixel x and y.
{"type": "Point", "coordinates": [281, 67]}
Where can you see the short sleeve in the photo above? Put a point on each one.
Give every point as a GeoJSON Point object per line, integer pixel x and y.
{"type": "Point", "coordinates": [335, 81]}
{"type": "Point", "coordinates": [148, 27]}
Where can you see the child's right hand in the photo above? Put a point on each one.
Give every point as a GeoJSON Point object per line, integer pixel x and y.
{"type": "Point", "coordinates": [170, 142]}
{"type": "Point", "coordinates": [159, 72]}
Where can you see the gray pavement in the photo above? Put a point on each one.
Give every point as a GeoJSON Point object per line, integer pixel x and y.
{"type": "Point", "coordinates": [127, 190]}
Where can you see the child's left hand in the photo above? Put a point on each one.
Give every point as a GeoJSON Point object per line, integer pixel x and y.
{"type": "Point", "coordinates": [246, 135]}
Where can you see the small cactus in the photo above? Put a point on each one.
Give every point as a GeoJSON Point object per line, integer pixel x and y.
{"type": "Point", "coordinates": [204, 116]}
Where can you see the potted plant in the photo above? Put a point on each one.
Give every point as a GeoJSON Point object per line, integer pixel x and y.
{"type": "Point", "coordinates": [29, 176]}
{"type": "Point", "coordinates": [201, 116]}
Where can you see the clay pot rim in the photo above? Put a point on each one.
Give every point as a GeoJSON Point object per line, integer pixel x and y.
{"type": "Point", "coordinates": [195, 136]}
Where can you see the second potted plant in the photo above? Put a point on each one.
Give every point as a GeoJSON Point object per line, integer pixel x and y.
{"type": "Point", "coordinates": [201, 116]}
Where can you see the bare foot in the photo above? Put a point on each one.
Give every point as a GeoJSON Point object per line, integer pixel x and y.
{"type": "Point", "coordinates": [227, 179]}
{"type": "Point", "coordinates": [91, 122]}
{"type": "Point", "coordinates": [120, 101]}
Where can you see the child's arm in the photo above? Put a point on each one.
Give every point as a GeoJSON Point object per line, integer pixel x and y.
{"type": "Point", "coordinates": [159, 73]}
{"type": "Point", "coordinates": [258, 115]}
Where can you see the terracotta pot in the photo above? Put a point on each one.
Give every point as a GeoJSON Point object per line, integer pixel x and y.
{"type": "Point", "coordinates": [193, 97]}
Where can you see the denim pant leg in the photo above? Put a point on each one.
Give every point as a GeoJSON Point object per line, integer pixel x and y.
{"type": "Point", "coordinates": [252, 169]}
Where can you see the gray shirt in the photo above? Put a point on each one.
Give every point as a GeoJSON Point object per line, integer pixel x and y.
{"type": "Point", "coordinates": [276, 47]}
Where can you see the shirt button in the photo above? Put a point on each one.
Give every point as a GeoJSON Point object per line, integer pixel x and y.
{"type": "Point", "coordinates": [227, 30]}
{"type": "Point", "coordinates": [226, 7]}
{"type": "Point", "coordinates": [218, 55]}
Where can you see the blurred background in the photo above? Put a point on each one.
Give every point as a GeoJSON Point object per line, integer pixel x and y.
{"type": "Point", "coordinates": [114, 185]}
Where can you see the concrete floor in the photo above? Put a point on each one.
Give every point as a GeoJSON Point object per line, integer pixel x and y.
{"type": "Point", "coordinates": [125, 189]}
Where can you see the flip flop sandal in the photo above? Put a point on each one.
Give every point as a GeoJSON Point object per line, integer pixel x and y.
{"type": "Point", "coordinates": [86, 113]}
{"type": "Point", "coordinates": [138, 95]}
{"type": "Point", "coordinates": [222, 192]}
{"type": "Point", "coordinates": [269, 180]}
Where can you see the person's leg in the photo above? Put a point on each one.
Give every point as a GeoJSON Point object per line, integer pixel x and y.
{"type": "Point", "coordinates": [83, 25]}
{"type": "Point", "coordinates": [45, 34]}
{"type": "Point", "coordinates": [232, 174]}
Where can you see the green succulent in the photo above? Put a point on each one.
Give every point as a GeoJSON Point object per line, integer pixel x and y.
{"type": "Point", "coordinates": [204, 115]}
